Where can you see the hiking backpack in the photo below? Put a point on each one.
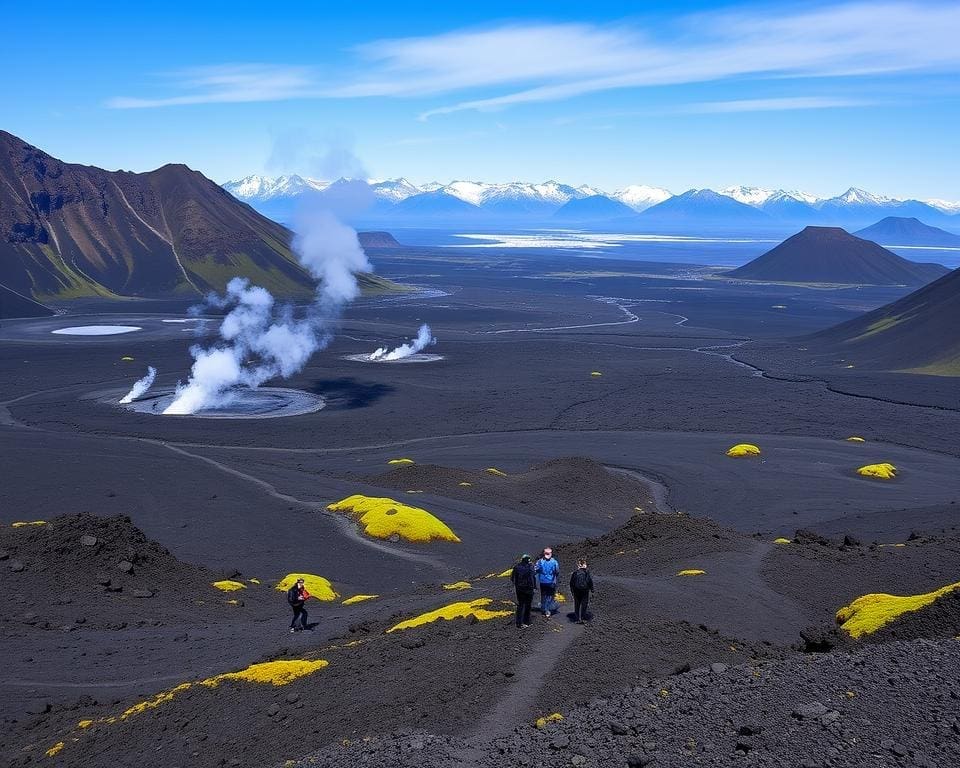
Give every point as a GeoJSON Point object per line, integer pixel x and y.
{"type": "Point", "coordinates": [581, 580]}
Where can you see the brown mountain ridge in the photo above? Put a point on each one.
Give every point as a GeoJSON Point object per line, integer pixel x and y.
{"type": "Point", "coordinates": [834, 256]}
{"type": "Point", "coordinates": [69, 231]}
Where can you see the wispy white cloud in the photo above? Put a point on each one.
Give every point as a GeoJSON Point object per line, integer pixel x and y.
{"type": "Point", "coordinates": [230, 83]}
{"type": "Point", "coordinates": [526, 63]}
{"type": "Point", "coordinates": [771, 105]}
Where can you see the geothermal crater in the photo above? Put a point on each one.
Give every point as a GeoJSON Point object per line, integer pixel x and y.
{"type": "Point", "coordinates": [419, 357]}
{"type": "Point", "coordinates": [242, 403]}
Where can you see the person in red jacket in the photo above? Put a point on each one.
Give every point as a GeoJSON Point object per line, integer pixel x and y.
{"type": "Point", "coordinates": [297, 596]}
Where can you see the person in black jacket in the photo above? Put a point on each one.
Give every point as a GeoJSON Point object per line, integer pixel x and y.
{"type": "Point", "coordinates": [524, 581]}
{"type": "Point", "coordinates": [581, 586]}
{"type": "Point", "coordinates": [296, 596]}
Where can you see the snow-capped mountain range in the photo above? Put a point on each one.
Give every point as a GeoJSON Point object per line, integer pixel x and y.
{"type": "Point", "coordinates": [398, 200]}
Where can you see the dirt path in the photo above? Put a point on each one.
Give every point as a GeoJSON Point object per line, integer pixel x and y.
{"type": "Point", "coordinates": [518, 704]}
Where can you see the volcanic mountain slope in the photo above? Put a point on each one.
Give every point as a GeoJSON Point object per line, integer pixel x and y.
{"type": "Point", "coordinates": [593, 208]}
{"type": "Point", "coordinates": [70, 230]}
{"type": "Point", "coordinates": [12, 304]}
{"type": "Point", "coordinates": [919, 332]}
{"type": "Point", "coordinates": [573, 488]}
{"type": "Point", "coordinates": [833, 255]}
{"type": "Point", "coordinates": [899, 230]}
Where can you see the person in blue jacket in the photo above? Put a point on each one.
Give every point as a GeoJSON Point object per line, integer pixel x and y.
{"type": "Point", "coordinates": [548, 575]}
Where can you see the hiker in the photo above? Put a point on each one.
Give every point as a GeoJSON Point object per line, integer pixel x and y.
{"type": "Point", "coordinates": [548, 574]}
{"type": "Point", "coordinates": [524, 580]}
{"type": "Point", "coordinates": [297, 595]}
{"type": "Point", "coordinates": [581, 585]}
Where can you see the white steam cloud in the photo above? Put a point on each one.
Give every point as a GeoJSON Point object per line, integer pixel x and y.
{"type": "Point", "coordinates": [140, 388]}
{"type": "Point", "coordinates": [424, 339]}
{"type": "Point", "coordinates": [260, 340]}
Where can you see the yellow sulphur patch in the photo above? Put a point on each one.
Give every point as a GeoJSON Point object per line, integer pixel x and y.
{"type": "Point", "coordinates": [400, 461]}
{"type": "Point", "coordinates": [884, 471]}
{"type": "Point", "coordinates": [382, 518]}
{"type": "Point", "coordinates": [318, 587]}
{"type": "Point", "coordinates": [228, 585]}
{"type": "Point", "coordinates": [782, 540]}
{"type": "Point", "coordinates": [868, 613]}
{"type": "Point", "coordinates": [25, 523]}
{"type": "Point", "coordinates": [743, 449]}
{"type": "Point", "coordinates": [541, 722]}
{"type": "Point", "coordinates": [458, 585]}
{"type": "Point", "coordinates": [359, 599]}
{"type": "Point", "coordinates": [477, 608]}
{"type": "Point", "coordinates": [691, 572]}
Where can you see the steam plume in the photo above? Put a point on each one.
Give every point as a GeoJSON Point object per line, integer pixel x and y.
{"type": "Point", "coordinates": [140, 388]}
{"type": "Point", "coordinates": [259, 340]}
{"type": "Point", "coordinates": [424, 339]}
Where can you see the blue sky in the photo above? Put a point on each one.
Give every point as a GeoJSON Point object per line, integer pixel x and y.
{"type": "Point", "coordinates": [811, 96]}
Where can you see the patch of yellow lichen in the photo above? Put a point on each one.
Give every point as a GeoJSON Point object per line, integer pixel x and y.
{"type": "Point", "coordinates": [318, 587]}
{"type": "Point", "coordinates": [495, 471]}
{"type": "Point", "coordinates": [156, 701]}
{"type": "Point", "coordinates": [383, 518]}
{"type": "Point", "coordinates": [782, 540]}
{"type": "Point", "coordinates": [458, 585]}
{"type": "Point", "coordinates": [691, 572]}
{"type": "Point", "coordinates": [476, 608]}
{"type": "Point", "coordinates": [358, 599]}
{"type": "Point", "coordinates": [229, 585]}
{"type": "Point", "coordinates": [400, 461]}
{"type": "Point", "coordinates": [25, 523]}
{"type": "Point", "coordinates": [855, 439]}
{"type": "Point", "coordinates": [55, 749]}
{"type": "Point", "coordinates": [542, 722]}
{"type": "Point", "coordinates": [279, 672]}
{"type": "Point", "coordinates": [743, 449]}
{"type": "Point", "coordinates": [884, 471]}
{"type": "Point", "coordinates": [868, 613]}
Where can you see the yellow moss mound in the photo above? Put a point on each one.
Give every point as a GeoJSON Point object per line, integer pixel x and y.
{"type": "Point", "coordinates": [383, 518]}
{"type": "Point", "coordinates": [868, 613]}
{"type": "Point", "coordinates": [400, 461]}
{"type": "Point", "coordinates": [228, 585]}
{"type": "Point", "coordinates": [458, 585]}
{"type": "Point", "coordinates": [743, 449]}
{"type": "Point", "coordinates": [55, 749]}
{"type": "Point", "coordinates": [495, 471]}
{"type": "Point", "coordinates": [359, 599]}
{"type": "Point", "coordinates": [855, 439]}
{"type": "Point", "coordinates": [278, 672]}
{"type": "Point", "coordinates": [318, 587]}
{"type": "Point", "coordinates": [475, 608]}
{"type": "Point", "coordinates": [883, 471]}
{"type": "Point", "coordinates": [541, 722]}
{"type": "Point", "coordinates": [691, 572]}
{"type": "Point", "coordinates": [23, 523]}
{"type": "Point", "coordinates": [782, 540]}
